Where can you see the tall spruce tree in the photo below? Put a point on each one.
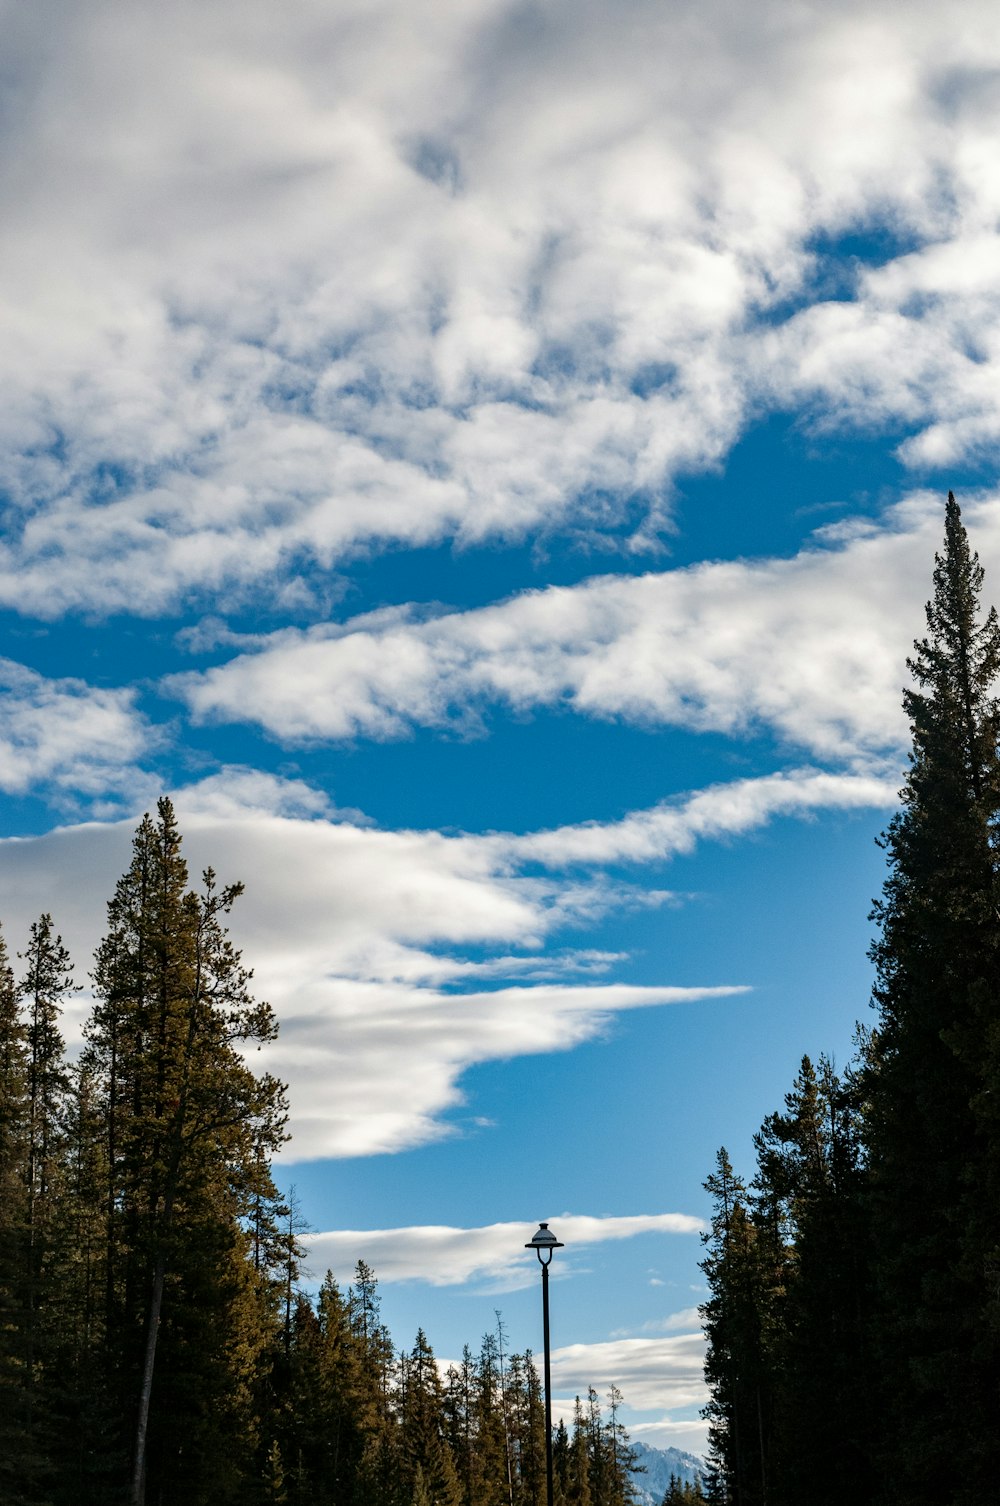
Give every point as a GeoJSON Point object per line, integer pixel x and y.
{"type": "Point", "coordinates": [46, 981]}
{"type": "Point", "coordinates": [578, 1465]}
{"type": "Point", "coordinates": [429, 1464]}
{"type": "Point", "coordinates": [933, 1084]}
{"type": "Point", "coordinates": [809, 1190]}
{"type": "Point", "coordinates": [527, 1421]}
{"type": "Point", "coordinates": [491, 1475]}
{"type": "Point", "coordinates": [742, 1268]}
{"type": "Point", "coordinates": [623, 1463]}
{"type": "Point", "coordinates": [330, 1416]}
{"type": "Point", "coordinates": [458, 1420]}
{"type": "Point", "coordinates": [188, 1130]}
{"type": "Point", "coordinates": [82, 1430]}
{"type": "Point", "coordinates": [382, 1473]}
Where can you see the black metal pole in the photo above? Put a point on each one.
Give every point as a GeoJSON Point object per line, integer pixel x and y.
{"type": "Point", "coordinates": [548, 1383]}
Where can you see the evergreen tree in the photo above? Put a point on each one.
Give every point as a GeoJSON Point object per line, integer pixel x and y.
{"type": "Point", "coordinates": [47, 979]}
{"type": "Point", "coordinates": [422, 1421]}
{"type": "Point", "coordinates": [275, 1493]}
{"type": "Point", "coordinates": [331, 1418]}
{"type": "Point", "coordinates": [504, 1400]}
{"type": "Point", "coordinates": [421, 1490]}
{"type": "Point", "coordinates": [527, 1422]}
{"type": "Point", "coordinates": [622, 1458]}
{"type": "Point", "coordinates": [810, 1187]}
{"type": "Point", "coordinates": [459, 1421]}
{"type": "Point", "coordinates": [560, 1464]}
{"type": "Point", "coordinates": [933, 1078]}
{"type": "Point", "coordinates": [82, 1410]}
{"type": "Point", "coordinates": [578, 1491]}
{"type": "Point", "coordinates": [491, 1473]}
{"type": "Point", "coordinates": [682, 1493]}
{"type": "Point", "coordinates": [713, 1487]}
{"type": "Point", "coordinates": [610, 1457]}
{"type": "Point", "coordinates": [597, 1455]}
{"type": "Point", "coordinates": [188, 1129]}
{"type": "Point", "coordinates": [744, 1271]}
{"type": "Point", "coordinates": [382, 1476]}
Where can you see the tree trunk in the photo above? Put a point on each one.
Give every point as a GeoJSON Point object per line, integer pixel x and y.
{"type": "Point", "coordinates": [137, 1495]}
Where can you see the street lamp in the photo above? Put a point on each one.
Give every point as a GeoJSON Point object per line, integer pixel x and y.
{"type": "Point", "coordinates": [543, 1243]}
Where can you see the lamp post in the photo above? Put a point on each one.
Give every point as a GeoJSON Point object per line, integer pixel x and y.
{"type": "Point", "coordinates": [544, 1243]}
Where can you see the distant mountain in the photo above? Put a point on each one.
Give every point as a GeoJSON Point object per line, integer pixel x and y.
{"type": "Point", "coordinates": [660, 1464]}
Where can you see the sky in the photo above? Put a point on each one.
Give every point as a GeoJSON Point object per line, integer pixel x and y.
{"type": "Point", "coordinates": [485, 461]}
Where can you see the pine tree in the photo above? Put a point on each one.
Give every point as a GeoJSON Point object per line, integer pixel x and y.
{"type": "Point", "coordinates": [713, 1487]}
{"type": "Point", "coordinates": [275, 1492]}
{"type": "Point", "coordinates": [46, 981]}
{"type": "Point", "coordinates": [622, 1458]}
{"type": "Point", "coordinates": [382, 1477]}
{"type": "Point", "coordinates": [810, 1186]}
{"type": "Point", "coordinates": [491, 1476]}
{"type": "Point", "coordinates": [578, 1492]}
{"type": "Point", "coordinates": [459, 1421]}
{"type": "Point", "coordinates": [83, 1431]}
{"type": "Point", "coordinates": [188, 1130]}
{"type": "Point", "coordinates": [739, 1320]}
{"type": "Point", "coordinates": [560, 1464]}
{"type": "Point", "coordinates": [683, 1493]}
{"type": "Point", "coordinates": [504, 1405]}
{"type": "Point", "coordinates": [933, 1078]}
{"type": "Point", "coordinates": [422, 1422]}
{"type": "Point", "coordinates": [527, 1422]}
{"type": "Point", "coordinates": [330, 1415]}
{"type": "Point", "coordinates": [422, 1495]}
{"type": "Point", "coordinates": [610, 1457]}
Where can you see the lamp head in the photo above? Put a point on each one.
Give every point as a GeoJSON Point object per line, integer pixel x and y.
{"type": "Point", "coordinates": [543, 1243]}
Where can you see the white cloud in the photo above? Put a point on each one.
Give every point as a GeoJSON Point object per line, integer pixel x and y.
{"type": "Point", "coordinates": [811, 648]}
{"type": "Point", "coordinates": [662, 1373]}
{"type": "Point", "coordinates": [241, 792]}
{"type": "Point", "coordinates": [278, 286]}
{"type": "Point", "coordinates": [663, 1376]}
{"type": "Point", "coordinates": [369, 943]}
{"type": "Point", "coordinates": [446, 1256]}
{"type": "Point", "coordinates": [720, 810]}
{"type": "Point", "coordinates": [686, 1321]}
{"type": "Point", "coordinates": [73, 741]}
{"type": "Point", "coordinates": [354, 935]}
{"type": "Point", "coordinates": [396, 1054]}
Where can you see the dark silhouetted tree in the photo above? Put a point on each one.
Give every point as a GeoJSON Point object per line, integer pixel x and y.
{"type": "Point", "coordinates": [933, 1079]}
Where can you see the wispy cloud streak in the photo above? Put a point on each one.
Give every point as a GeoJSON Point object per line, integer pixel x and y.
{"type": "Point", "coordinates": [445, 1256]}
{"type": "Point", "coordinates": [811, 649]}
{"type": "Point", "coordinates": [370, 943]}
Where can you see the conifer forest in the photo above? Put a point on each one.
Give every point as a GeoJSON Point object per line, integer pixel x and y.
{"type": "Point", "coordinates": [157, 1342]}
{"type": "Point", "coordinates": [157, 1347]}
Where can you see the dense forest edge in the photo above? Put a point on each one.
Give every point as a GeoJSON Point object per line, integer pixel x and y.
{"type": "Point", "coordinates": [854, 1310]}
{"type": "Point", "coordinates": [156, 1345]}
{"type": "Point", "coordinates": [156, 1342]}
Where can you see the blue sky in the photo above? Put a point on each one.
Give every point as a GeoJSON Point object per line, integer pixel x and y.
{"type": "Point", "coordinates": [485, 462]}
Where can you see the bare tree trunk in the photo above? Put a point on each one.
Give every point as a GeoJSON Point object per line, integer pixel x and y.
{"type": "Point", "coordinates": [137, 1495]}
{"type": "Point", "coordinates": [503, 1409]}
